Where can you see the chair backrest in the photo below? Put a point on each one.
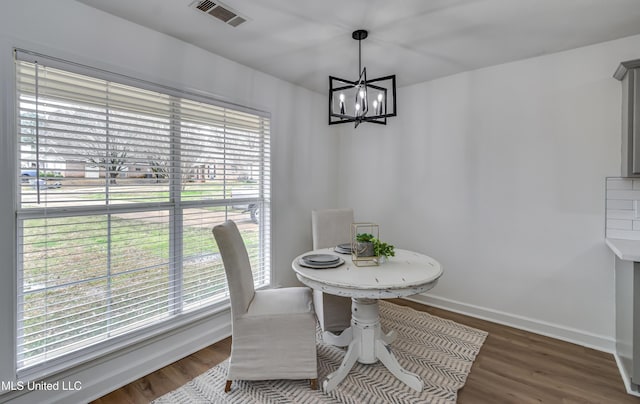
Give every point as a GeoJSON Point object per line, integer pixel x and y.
{"type": "Point", "coordinates": [331, 227]}
{"type": "Point", "coordinates": [236, 266]}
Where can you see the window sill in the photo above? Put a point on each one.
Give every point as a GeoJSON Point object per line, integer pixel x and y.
{"type": "Point", "coordinates": [121, 363]}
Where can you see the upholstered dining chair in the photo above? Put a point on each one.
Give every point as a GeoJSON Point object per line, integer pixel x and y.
{"type": "Point", "coordinates": [331, 227]}
{"type": "Point", "coordinates": [273, 331]}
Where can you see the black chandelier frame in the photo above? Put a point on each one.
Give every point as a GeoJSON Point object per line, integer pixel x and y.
{"type": "Point", "coordinates": [337, 87]}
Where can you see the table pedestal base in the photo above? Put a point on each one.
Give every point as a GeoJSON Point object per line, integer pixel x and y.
{"type": "Point", "coordinates": [367, 344]}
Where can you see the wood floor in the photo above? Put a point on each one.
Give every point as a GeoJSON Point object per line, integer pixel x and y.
{"type": "Point", "coordinates": [513, 366]}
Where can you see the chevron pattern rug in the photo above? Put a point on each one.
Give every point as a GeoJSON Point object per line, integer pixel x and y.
{"type": "Point", "coordinates": [440, 351]}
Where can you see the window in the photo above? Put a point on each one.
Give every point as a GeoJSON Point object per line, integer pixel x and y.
{"type": "Point", "coordinates": [121, 182]}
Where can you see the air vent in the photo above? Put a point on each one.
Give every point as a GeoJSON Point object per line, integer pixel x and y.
{"type": "Point", "coordinates": [220, 11]}
{"type": "Point", "coordinates": [236, 21]}
{"type": "Point", "coordinates": [205, 5]}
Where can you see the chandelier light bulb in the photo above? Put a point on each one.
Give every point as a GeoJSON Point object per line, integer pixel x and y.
{"type": "Point", "coordinates": [379, 97]}
{"type": "Point", "coordinates": [341, 97]}
{"type": "Point", "coordinates": [361, 93]}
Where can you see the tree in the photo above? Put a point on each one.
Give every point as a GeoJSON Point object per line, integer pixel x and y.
{"type": "Point", "coordinates": [159, 167]}
{"type": "Point", "coordinates": [113, 162]}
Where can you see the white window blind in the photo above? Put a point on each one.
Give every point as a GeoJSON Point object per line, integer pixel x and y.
{"type": "Point", "coordinates": [119, 187]}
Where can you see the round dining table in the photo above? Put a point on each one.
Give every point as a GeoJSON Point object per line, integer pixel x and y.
{"type": "Point", "coordinates": [407, 273]}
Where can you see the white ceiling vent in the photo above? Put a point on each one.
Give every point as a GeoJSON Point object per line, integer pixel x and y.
{"type": "Point", "coordinates": [220, 11]}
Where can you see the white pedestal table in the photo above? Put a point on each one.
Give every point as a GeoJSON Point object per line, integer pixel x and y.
{"type": "Point", "coordinates": [408, 273]}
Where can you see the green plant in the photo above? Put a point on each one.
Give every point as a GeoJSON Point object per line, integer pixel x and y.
{"type": "Point", "coordinates": [364, 237]}
{"type": "Point", "coordinates": [380, 248]}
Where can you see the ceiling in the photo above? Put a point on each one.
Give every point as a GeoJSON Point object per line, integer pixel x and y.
{"type": "Point", "coordinates": [305, 41]}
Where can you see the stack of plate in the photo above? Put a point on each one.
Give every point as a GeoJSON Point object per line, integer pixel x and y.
{"type": "Point", "coordinates": [343, 248]}
{"type": "Point", "coordinates": [320, 261]}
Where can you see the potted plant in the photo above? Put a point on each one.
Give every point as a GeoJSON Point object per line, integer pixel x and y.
{"type": "Point", "coordinates": [383, 250]}
{"type": "Point", "coordinates": [364, 244]}
{"type": "Point", "coordinates": [370, 246]}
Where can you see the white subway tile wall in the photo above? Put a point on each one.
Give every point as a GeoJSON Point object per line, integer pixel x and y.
{"type": "Point", "coordinates": [623, 208]}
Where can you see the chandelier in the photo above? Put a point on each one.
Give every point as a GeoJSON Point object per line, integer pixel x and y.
{"type": "Point", "coordinates": [361, 100]}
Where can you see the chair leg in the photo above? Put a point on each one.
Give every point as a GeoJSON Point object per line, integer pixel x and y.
{"type": "Point", "coordinates": [227, 386]}
{"type": "Point", "coordinates": [314, 384]}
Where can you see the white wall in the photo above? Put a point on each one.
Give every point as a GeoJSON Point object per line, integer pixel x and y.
{"type": "Point", "coordinates": [499, 174]}
{"type": "Point", "coordinates": [303, 152]}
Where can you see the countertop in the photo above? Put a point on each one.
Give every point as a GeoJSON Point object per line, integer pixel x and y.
{"type": "Point", "coordinates": [628, 250]}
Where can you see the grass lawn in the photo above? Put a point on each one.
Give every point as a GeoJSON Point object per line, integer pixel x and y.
{"type": "Point", "coordinates": [95, 275]}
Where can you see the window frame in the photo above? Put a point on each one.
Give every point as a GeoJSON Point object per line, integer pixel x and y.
{"type": "Point", "coordinates": [175, 205]}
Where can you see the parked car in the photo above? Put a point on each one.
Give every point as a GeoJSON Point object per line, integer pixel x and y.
{"type": "Point", "coordinates": [31, 176]}
{"type": "Point", "coordinates": [43, 184]}
{"type": "Point", "coordinates": [29, 173]}
{"type": "Point", "coordinates": [254, 212]}
{"type": "Point", "coordinates": [253, 208]}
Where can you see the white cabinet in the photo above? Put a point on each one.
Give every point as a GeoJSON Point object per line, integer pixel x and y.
{"type": "Point", "coordinates": [629, 74]}
{"type": "Point", "coordinates": [627, 284]}
{"type": "Point", "coordinates": [628, 321]}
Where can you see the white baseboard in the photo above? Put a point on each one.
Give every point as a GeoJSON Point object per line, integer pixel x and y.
{"type": "Point", "coordinates": [586, 339]}
{"type": "Point", "coordinates": [113, 371]}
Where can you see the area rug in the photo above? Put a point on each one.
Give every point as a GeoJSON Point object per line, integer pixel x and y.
{"type": "Point", "coordinates": [440, 351]}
